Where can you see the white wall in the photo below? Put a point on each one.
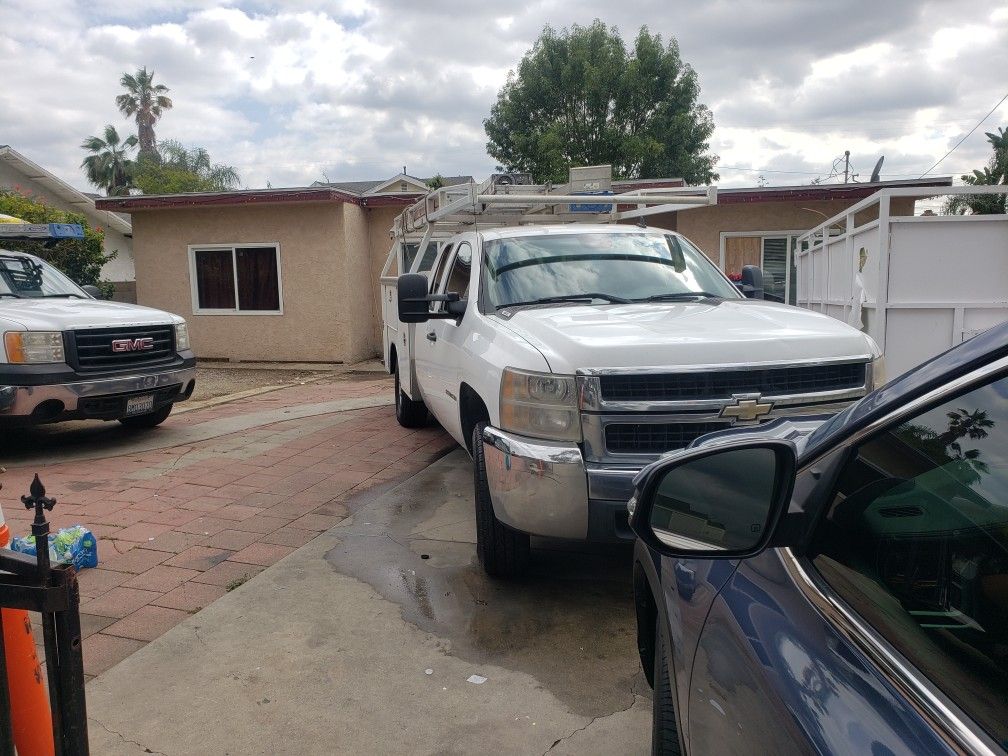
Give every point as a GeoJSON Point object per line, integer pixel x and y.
{"type": "Point", "coordinates": [119, 269]}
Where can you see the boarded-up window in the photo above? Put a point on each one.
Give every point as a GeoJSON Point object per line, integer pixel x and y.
{"type": "Point", "coordinates": [236, 279]}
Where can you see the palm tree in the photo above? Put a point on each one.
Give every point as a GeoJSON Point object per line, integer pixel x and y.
{"type": "Point", "coordinates": [214, 177]}
{"type": "Point", "coordinates": [146, 101]}
{"type": "Point", "coordinates": [108, 166]}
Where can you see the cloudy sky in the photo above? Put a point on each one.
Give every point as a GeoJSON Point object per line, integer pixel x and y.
{"type": "Point", "coordinates": [355, 89]}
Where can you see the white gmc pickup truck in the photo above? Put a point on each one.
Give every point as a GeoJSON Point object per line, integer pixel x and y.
{"type": "Point", "coordinates": [567, 357]}
{"type": "Point", "coordinates": [67, 355]}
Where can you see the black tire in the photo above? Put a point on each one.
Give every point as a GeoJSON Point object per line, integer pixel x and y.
{"type": "Point", "coordinates": [664, 733]}
{"type": "Point", "coordinates": [502, 551]}
{"type": "Point", "coordinates": [409, 413]}
{"type": "Point", "coordinates": [149, 420]}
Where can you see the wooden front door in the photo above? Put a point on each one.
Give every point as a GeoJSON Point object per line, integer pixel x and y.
{"type": "Point", "coordinates": [741, 250]}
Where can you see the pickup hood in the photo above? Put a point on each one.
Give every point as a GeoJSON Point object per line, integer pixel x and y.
{"type": "Point", "coordinates": [71, 314]}
{"type": "Point", "coordinates": [684, 333]}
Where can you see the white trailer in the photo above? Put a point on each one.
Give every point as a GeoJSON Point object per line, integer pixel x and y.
{"type": "Point", "coordinates": [916, 284]}
{"type": "Point", "coordinates": [507, 200]}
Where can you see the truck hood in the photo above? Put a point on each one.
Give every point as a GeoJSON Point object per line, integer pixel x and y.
{"type": "Point", "coordinates": [65, 314]}
{"type": "Point", "coordinates": [684, 333]}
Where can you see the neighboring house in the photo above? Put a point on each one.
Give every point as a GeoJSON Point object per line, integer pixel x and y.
{"type": "Point", "coordinates": [292, 274]}
{"type": "Point", "coordinates": [18, 172]}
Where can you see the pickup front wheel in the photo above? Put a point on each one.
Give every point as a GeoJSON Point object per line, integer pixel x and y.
{"type": "Point", "coordinates": [503, 552]}
{"type": "Point", "coordinates": [409, 413]}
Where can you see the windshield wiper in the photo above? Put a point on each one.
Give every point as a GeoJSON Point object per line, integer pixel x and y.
{"type": "Point", "coordinates": [61, 296]}
{"type": "Point", "coordinates": [586, 297]}
{"type": "Point", "coordinates": [670, 296]}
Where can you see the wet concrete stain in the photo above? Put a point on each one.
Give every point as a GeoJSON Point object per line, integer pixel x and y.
{"type": "Point", "coordinates": [569, 622]}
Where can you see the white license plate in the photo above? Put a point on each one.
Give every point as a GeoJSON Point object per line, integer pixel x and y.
{"type": "Point", "coordinates": [140, 405]}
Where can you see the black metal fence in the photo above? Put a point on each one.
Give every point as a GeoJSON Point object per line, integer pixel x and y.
{"type": "Point", "coordinates": [36, 585]}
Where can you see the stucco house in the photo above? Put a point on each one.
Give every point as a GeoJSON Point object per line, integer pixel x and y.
{"type": "Point", "coordinates": [292, 274]}
{"type": "Point", "coordinates": [18, 172]}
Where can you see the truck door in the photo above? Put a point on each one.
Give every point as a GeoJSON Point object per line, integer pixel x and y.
{"type": "Point", "coordinates": [441, 342]}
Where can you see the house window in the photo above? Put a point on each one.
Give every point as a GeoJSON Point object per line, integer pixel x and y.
{"type": "Point", "coordinates": [773, 252]}
{"type": "Point", "coordinates": [235, 279]}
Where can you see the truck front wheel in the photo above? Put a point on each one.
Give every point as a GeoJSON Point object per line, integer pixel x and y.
{"type": "Point", "coordinates": [409, 413]}
{"type": "Point", "coordinates": [149, 420]}
{"type": "Point", "coordinates": [503, 552]}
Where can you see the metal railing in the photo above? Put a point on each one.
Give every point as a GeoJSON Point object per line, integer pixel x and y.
{"type": "Point", "coordinates": [38, 586]}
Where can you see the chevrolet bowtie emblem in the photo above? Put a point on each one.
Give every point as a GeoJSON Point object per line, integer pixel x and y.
{"type": "Point", "coordinates": [746, 410]}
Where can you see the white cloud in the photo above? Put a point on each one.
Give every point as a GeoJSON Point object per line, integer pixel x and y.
{"type": "Point", "coordinates": [357, 88]}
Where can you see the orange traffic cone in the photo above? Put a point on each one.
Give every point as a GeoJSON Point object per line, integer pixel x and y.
{"type": "Point", "coordinates": [31, 719]}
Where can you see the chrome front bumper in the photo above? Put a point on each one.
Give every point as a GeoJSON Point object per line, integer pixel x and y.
{"type": "Point", "coordinates": [21, 401]}
{"type": "Point", "coordinates": [546, 489]}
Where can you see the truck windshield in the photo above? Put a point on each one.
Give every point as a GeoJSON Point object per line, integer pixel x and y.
{"type": "Point", "coordinates": [22, 276]}
{"type": "Point", "coordinates": [613, 267]}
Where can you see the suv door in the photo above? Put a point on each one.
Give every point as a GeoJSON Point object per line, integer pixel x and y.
{"type": "Point", "coordinates": [443, 341]}
{"type": "Point", "coordinates": [891, 634]}
{"type": "Point", "coordinates": [423, 349]}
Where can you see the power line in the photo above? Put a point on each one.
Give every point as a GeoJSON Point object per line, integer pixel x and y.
{"type": "Point", "coordinates": [966, 137]}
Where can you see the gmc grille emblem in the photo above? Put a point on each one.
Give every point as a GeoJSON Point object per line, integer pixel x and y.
{"type": "Point", "coordinates": [132, 345]}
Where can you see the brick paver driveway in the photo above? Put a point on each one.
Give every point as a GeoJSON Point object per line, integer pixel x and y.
{"type": "Point", "coordinates": [181, 525]}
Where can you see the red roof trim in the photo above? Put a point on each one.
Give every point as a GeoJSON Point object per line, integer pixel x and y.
{"type": "Point", "coordinates": [841, 191]}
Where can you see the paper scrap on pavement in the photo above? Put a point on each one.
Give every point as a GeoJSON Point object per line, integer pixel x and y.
{"type": "Point", "coordinates": [476, 679]}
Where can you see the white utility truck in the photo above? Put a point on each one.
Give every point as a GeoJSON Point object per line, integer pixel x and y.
{"type": "Point", "coordinates": [69, 355]}
{"type": "Point", "coordinates": [566, 350]}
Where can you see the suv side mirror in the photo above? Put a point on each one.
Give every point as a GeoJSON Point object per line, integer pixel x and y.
{"type": "Point", "coordinates": [720, 502]}
{"type": "Point", "coordinates": [92, 290]}
{"type": "Point", "coordinates": [752, 282]}
{"type": "Point", "coordinates": [414, 301]}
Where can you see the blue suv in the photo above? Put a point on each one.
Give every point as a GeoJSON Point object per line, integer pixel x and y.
{"type": "Point", "coordinates": [840, 585]}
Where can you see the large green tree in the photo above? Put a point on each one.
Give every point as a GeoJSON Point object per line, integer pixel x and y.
{"type": "Point", "coordinates": [581, 97]}
{"type": "Point", "coordinates": [146, 102]}
{"type": "Point", "coordinates": [175, 169]}
{"type": "Point", "coordinates": [993, 174]}
{"type": "Point", "coordinates": [80, 259]}
{"type": "Point", "coordinates": [109, 166]}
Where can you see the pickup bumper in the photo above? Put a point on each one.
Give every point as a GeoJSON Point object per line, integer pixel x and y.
{"type": "Point", "coordinates": [545, 488]}
{"type": "Point", "coordinates": [103, 398]}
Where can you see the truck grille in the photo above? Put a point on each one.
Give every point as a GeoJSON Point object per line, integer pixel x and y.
{"type": "Point", "coordinates": [658, 387]}
{"type": "Point", "coordinates": [93, 347]}
{"type": "Point", "coordinates": [655, 438]}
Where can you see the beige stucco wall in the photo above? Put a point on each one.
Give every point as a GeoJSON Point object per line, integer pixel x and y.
{"type": "Point", "coordinates": [321, 318]}
{"type": "Point", "coordinates": [703, 225]}
{"type": "Point", "coordinates": [118, 269]}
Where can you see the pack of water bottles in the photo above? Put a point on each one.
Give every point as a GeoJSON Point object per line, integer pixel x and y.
{"type": "Point", "coordinates": [75, 545]}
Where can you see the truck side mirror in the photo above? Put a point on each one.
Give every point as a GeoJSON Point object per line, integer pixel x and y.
{"type": "Point", "coordinates": [92, 290]}
{"type": "Point", "coordinates": [411, 291]}
{"type": "Point", "coordinates": [723, 501]}
{"type": "Point", "coordinates": [752, 282]}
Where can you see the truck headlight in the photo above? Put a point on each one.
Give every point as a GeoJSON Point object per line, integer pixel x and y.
{"type": "Point", "coordinates": [181, 337]}
{"type": "Point", "coordinates": [541, 405]}
{"type": "Point", "coordinates": [29, 347]}
{"type": "Point", "coordinates": [878, 374]}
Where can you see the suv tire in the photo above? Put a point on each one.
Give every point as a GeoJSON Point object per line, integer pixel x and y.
{"type": "Point", "coordinates": [503, 552]}
{"type": "Point", "coordinates": [408, 413]}
{"type": "Point", "coordinates": [150, 420]}
{"type": "Point", "coordinates": [664, 733]}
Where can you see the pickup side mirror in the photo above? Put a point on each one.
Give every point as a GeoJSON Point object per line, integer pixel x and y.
{"type": "Point", "coordinates": [723, 502]}
{"type": "Point", "coordinates": [92, 290]}
{"type": "Point", "coordinates": [414, 301]}
{"type": "Point", "coordinates": [752, 282]}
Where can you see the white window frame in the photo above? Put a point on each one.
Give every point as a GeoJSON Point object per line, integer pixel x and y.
{"type": "Point", "coordinates": [194, 289]}
{"type": "Point", "coordinates": [791, 236]}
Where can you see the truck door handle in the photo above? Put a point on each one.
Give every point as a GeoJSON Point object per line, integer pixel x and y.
{"type": "Point", "coordinates": [431, 336]}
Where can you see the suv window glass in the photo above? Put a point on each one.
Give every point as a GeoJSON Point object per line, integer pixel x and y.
{"type": "Point", "coordinates": [916, 540]}
{"type": "Point", "coordinates": [439, 270]}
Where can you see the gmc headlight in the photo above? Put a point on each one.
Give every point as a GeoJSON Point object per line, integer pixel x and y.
{"type": "Point", "coordinates": [30, 347]}
{"type": "Point", "coordinates": [540, 405]}
{"type": "Point", "coordinates": [181, 337]}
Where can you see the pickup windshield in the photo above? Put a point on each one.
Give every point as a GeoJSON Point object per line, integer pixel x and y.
{"type": "Point", "coordinates": [597, 267]}
{"type": "Point", "coordinates": [22, 276]}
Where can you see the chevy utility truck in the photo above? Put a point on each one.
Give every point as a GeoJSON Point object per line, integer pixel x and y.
{"type": "Point", "coordinates": [566, 351]}
{"type": "Point", "coordinates": [69, 355]}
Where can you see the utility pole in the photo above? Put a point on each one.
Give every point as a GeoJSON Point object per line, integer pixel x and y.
{"type": "Point", "coordinates": [846, 165]}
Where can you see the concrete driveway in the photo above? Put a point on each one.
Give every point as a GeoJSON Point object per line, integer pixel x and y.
{"type": "Point", "coordinates": [365, 641]}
